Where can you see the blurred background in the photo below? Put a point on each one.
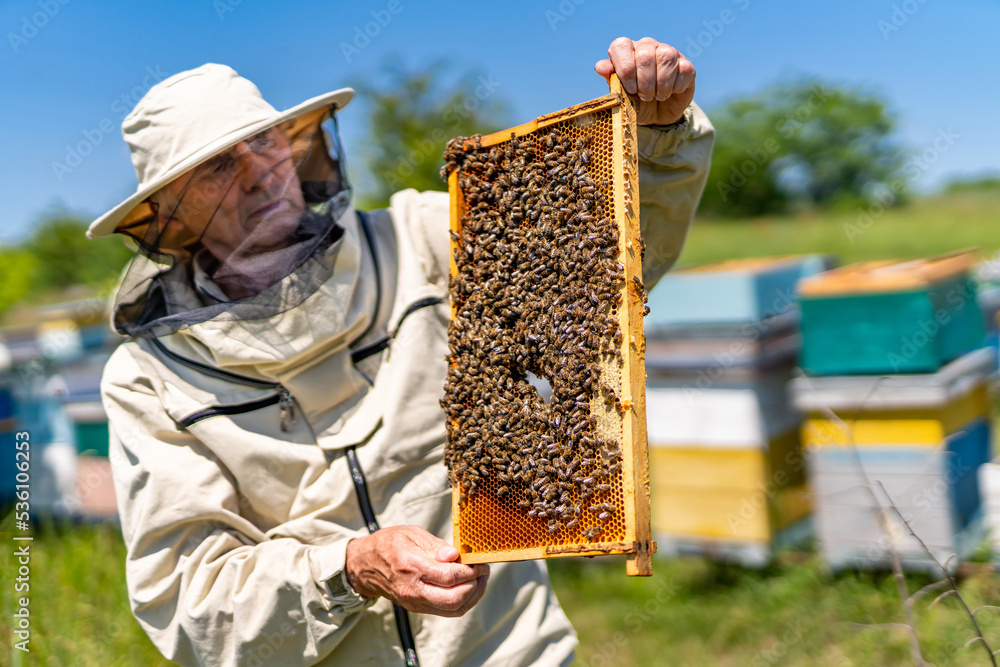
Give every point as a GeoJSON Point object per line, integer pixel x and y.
{"type": "Point", "coordinates": [821, 366]}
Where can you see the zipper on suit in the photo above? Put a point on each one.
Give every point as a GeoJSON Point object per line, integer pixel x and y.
{"type": "Point", "coordinates": [287, 404]}
{"type": "Point", "coordinates": [283, 398]}
{"type": "Point", "coordinates": [211, 370]}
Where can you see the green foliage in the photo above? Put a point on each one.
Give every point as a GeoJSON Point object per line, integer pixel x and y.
{"type": "Point", "coordinates": [411, 115]}
{"type": "Point", "coordinates": [800, 143]}
{"type": "Point", "coordinates": [64, 256]}
{"type": "Point", "coordinates": [17, 272]}
{"type": "Point", "coordinates": [57, 257]}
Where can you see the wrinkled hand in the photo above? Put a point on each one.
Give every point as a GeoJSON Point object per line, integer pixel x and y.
{"type": "Point", "coordinates": [415, 569]}
{"type": "Point", "coordinates": [662, 78]}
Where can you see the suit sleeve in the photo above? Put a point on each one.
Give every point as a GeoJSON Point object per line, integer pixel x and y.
{"type": "Point", "coordinates": [208, 586]}
{"type": "Point", "coordinates": [673, 168]}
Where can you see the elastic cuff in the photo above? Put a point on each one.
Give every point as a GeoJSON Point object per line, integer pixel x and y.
{"type": "Point", "coordinates": [658, 140]}
{"type": "Point", "coordinates": [327, 563]}
{"type": "Point", "coordinates": [678, 127]}
{"type": "Point", "coordinates": [341, 589]}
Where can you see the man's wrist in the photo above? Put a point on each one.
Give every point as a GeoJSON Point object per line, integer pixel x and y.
{"type": "Point", "coordinates": [678, 124]}
{"type": "Point", "coordinates": [352, 556]}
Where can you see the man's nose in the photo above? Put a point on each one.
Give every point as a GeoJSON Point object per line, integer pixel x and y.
{"type": "Point", "coordinates": [254, 168]}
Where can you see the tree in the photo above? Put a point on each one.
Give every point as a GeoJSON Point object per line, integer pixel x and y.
{"type": "Point", "coordinates": [17, 271]}
{"type": "Point", "coordinates": [801, 143]}
{"type": "Point", "coordinates": [64, 256]}
{"type": "Point", "coordinates": [411, 116]}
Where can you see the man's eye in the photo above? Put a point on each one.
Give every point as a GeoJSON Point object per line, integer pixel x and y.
{"type": "Point", "coordinates": [218, 167]}
{"type": "Point", "coordinates": [261, 142]}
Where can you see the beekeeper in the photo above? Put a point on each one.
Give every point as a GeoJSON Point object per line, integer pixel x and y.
{"type": "Point", "coordinates": [276, 437]}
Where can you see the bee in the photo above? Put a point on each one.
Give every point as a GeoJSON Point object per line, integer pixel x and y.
{"type": "Point", "coordinates": [537, 287]}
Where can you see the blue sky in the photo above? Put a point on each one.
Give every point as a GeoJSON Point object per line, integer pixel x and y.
{"type": "Point", "coordinates": [71, 69]}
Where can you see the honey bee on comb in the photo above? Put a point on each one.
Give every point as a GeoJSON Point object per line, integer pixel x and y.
{"type": "Point", "coordinates": [544, 283]}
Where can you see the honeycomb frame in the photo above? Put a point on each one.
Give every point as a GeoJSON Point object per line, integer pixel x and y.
{"type": "Point", "coordinates": [479, 519]}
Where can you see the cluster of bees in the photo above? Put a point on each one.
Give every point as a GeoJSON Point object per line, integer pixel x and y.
{"type": "Point", "coordinates": [537, 290]}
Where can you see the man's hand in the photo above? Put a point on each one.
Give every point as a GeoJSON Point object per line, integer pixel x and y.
{"type": "Point", "coordinates": [415, 569]}
{"type": "Point", "coordinates": [656, 72]}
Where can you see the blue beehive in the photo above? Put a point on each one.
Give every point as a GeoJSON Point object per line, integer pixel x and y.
{"type": "Point", "coordinates": [8, 427]}
{"type": "Point", "coordinates": [733, 292]}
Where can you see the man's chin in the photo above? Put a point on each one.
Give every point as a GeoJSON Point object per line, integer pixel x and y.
{"type": "Point", "coordinates": [273, 233]}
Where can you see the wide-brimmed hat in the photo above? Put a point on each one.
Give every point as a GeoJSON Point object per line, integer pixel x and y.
{"type": "Point", "coordinates": [189, 118]}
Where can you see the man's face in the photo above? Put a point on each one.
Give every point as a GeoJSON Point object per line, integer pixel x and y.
{"type": "Point", "coordinates": [248, 198]}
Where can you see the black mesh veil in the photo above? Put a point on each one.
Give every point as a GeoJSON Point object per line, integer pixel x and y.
{"type": "Point", "coordinates": [245, 235]}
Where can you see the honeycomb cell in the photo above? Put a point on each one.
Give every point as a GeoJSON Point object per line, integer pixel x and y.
{"type": "Point", "coordinates": [536, 288]}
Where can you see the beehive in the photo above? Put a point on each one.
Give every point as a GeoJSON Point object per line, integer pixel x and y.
{"type": "Point", "coordinates": [734, 292]}
{"type": "Point", "coordinates": [549, 284]}
{"type": "Point", "coordinates": [889, 317]}
{"type": "Point", "coordinates": [913, 441]}
{"type": "Point", "coordinates": [989, 484]}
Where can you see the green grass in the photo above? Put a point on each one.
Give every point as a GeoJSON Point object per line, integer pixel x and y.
{"type": "Point", "coordinates": [78, 603]}
{"type": "Point", "coordinates": [691, 612]}
{"type": "Point", "coordinates": [922, 228]}
{"type": "Point", "coordinates": [697, 612]}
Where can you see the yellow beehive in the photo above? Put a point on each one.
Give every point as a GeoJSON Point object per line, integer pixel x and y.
{"type": "Point", "coordinates": [927, 427]}
{"type": "Point", "coordinates": [745, 493]}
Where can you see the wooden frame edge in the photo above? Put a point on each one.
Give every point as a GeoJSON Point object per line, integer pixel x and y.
{"type": "Point", "coordinates": [638, 545]}
{"type": "Point", "coordinates": [635, 455]}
